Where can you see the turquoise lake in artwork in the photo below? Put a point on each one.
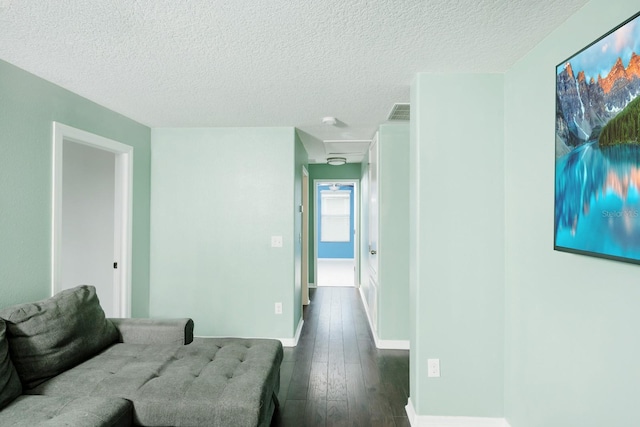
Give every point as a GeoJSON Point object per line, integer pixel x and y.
{"type": "Point", "coordinates": [598, 200]}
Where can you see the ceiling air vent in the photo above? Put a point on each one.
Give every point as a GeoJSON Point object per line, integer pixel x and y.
{"type": "Point", "coordinates": [400, 112]}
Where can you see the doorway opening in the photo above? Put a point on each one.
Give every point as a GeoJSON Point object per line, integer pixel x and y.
{"type": "Point", "coordinates": [92, 212]}
{"type": "Point", "coordinates": [305, 237]}
{"type": "Point", "coordinates": [336, 233]}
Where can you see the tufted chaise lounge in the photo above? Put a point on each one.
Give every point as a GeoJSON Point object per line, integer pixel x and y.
{"type": "Point", "coordinates": [147, 375]}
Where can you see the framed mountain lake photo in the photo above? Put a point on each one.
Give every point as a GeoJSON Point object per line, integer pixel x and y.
{"type": "Point", "coordinates": [597, 149]}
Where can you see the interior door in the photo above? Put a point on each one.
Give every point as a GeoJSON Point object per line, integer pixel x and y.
{"type": "Point", "coordinates": [373, 209]}
{"type": "Point", "coordinates": [88, 246]}
{"type": "Point", "coordinates": [92, 216]}
{"type": "Point", "coordinates": [373, 255]}
{"type": "Point", "coordinates": [305, 237]}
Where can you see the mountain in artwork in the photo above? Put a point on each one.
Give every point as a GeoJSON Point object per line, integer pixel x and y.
{"type": "Point", "coordinates": [585, 107]}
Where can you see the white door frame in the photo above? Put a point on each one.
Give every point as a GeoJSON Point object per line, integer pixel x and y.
{"type": "Point", "coordinates": [356, 223]}
{"type": "Point", "coordinates": [305, 236]}
{"type": "Point", "coordinates": [123, 209]}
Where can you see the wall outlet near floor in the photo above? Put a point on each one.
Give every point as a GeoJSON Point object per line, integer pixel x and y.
{"type": "Point", "coordinates": [278, 308]}
{"type": "Point", "coordinates": [276, 241]}
{"type": "Point", "coordinates": [433, 368]}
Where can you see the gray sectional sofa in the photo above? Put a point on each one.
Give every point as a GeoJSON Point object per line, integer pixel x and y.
{"type": "Point", "coordinates": [62, 363]}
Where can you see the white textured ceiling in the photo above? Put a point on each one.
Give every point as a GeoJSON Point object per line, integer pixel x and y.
{"type": "Point", "coordinates": [184, 63]}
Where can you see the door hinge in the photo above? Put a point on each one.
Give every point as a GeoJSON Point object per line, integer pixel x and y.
{"type": "Point", "coordinates": [115, 265]}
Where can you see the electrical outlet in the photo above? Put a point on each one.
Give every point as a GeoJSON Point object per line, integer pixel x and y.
{"type": "Point", "coordinates": [276, 241]}
{"type": "Point", "coordinates": [278, 308]}
{"type": "Point", "coordinates": [433, 368]}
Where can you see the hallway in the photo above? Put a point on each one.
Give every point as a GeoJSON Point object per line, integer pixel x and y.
{"type": "Point", "coordinates": [336, 272]}
{"type": "Point", "coordinates": [336, 376]}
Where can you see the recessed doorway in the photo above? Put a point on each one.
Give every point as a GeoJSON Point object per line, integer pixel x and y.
{"type": "Point", "coordinates": [92, 212]}
{"type": "Point", "coordinates": [336, 260]}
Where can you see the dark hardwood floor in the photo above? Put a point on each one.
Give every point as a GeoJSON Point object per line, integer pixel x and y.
{"type": "Point", "coordinates": [336, 376]}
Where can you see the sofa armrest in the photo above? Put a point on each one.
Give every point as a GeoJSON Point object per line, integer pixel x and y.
{"type": "Point", "coordinates": [154, 331]}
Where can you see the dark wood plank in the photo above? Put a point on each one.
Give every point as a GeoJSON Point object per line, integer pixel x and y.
{"type": "Point", "coordinates": [289, 415]}
{"type": "Point", "coordinates": [379, 406]}
{"type": "Point", "coordinates": [316, 409]}
{"type": "Point", "coordinates": [359, 415]}
{"type": "Point", "coordinates": [321, 349]}
{"type": "Point", "coordinates": [402, 421]}
{"type": "Point", "coordinates": [335, 325]}
{"type": "Point", "coordinates": [394, 376]}
{"type": "Point", "coordinates": [360, 321]}
{"type": "Point", "coordinates": [286, 372]}
{"type": "Point", "coordinates": [350, 349]}
{"type": "Point", "coordinates": [369, 363]}
{"type": "Point", "coordinates": [299, 384]}
{"type": "Point", "coordinates": [336, 376]}
{"type": "Point", "coordinates": [289, 354]}
{"type": "Point", "coordinates": [349, 335]}
{"type": "Point", "coordinates": [337, 413]}
{"type": "Point", "coordinates": [318, 381]}
{"type": "Point", "coordinates": [337, 386]}
{"type": "Point", "coordinates": [315, 414]}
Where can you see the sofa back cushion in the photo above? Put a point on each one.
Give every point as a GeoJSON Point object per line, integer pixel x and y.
{"type": "Point", "coordinates": [10, 386]}
{"type": "Point", "coordinates": [50, 336]}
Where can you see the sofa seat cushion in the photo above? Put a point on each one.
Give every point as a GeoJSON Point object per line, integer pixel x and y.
{"type": "Point", "coordinates": [210, 382]}
{"type": "Point", "coordinates": [10, 386]}
{"type": "Point", "coordinates": [50, 336]}
{"type": "Point", "coordinates": [56, 411]}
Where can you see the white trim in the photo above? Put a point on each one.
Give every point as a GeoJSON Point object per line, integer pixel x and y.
{"type": "Point", "coordinates": [433, 421]}
{"type": "Point", "coordinates": [382, 344]}
{"type": "Point", "coordinates": [392, 344]}
{"type": "Point", "coordinates": [304, 250]}
{"type": "Point", "coordinates": [436, 421]}
{"type": "Point", "coordinates": [312, 285]}
{"type": "Point", "coordinates": [366, 307]}
{"type": "Point", "coordinates": [356, 223]}
{"type": "Point", "coordinates": [292, 342]}
{"type": "Point", "coordinates": [124, 202]}
{"type": "Point", "coordinates": [286, 342]}
{"type": "Point", "coordinates": [411, 413]}
{"type": "Point", "coordinates": [366, 310]}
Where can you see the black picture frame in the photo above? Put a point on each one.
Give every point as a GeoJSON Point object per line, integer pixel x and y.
{"type": "Point", "coordinates": [597, 147]}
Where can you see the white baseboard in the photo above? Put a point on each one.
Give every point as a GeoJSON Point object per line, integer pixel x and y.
{"type": "Point", "coordinates": [411, 414]}
{"type": "Point", "coordinates": [292, 342]}
{"type": "Point", "coordinates": [435, 421]}
{"type": "Point", "coordinates": [382, 344]}
{"type": "Point", "coordinates": [312, 285]}
{"type": "Point", "coordinates": [286, 342]}
{"type": "Point", "coordinates": [366, 310]}
{"type": "Point", "coordinates": [392, 344]}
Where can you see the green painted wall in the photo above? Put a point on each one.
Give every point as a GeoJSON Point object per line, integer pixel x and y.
{"type": "Point", "coordinates": [457, 244]}
{"type": "Point", "coordinates": [571, 337]}
{"type": "Point", "coordinates": [28, 106]}
{"type": "Point", "coordinates": [393, 238]}
{"type": "Point", "coordinates": [348, 171]}
{"type": "Point", "coordinates": [218, 196]}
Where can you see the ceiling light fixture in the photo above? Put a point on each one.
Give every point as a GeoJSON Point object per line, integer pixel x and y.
{"type": "Point", "coordinates": [336, 161]}
{"type": "Point", "coordinates": [331, 121]}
